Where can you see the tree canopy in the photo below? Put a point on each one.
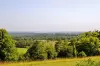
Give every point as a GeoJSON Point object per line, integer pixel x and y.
{"type": "Point", "coordinates": [7, 46]}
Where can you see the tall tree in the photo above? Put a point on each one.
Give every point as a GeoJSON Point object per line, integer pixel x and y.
{"type": "Point", "coordinates": [37, 51]}
{"type": "Point", "coordinates": [89, 45]}
{"type": "Point", "coordinates": [7, 46]}
{"type": "Point", "coordinates": [73, 43]}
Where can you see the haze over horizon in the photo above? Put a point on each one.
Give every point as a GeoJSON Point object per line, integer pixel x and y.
{"type": "Point", "coordinates": [49, 15]}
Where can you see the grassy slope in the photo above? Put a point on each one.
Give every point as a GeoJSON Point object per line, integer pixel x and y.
{"type": "Point", "coordinates": [22, 50]}
{"type": "Point", "coordinates": [58, 62]}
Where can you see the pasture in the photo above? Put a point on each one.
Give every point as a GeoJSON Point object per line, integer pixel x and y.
{"type": "Point", "coordinates": [22, 50]}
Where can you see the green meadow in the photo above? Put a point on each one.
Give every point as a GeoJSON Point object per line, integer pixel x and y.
{"type": "Point", "coordinates": [22, 50]}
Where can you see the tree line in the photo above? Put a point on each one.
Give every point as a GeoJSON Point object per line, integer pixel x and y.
{"type": "Point", "coordinates": [82, 45]}
{"type": "Point", "coordinates": [24, 40]}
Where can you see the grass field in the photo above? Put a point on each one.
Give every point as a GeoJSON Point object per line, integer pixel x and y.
{"type": "Point", "coordinates": [21, 50]}
{"type": "Point", "coordinates": [57, 62]}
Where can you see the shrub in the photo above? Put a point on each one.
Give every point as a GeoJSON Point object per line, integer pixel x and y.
{"type": "Point", "coordinates": [51, 52]}
{"type": "Point", "coordinates": [37, 51]}
{"type": "Point", "coordinates": [21, 57]}
{"type": "Point", "coordinates": [66, 52]}
{"type": "Point", "coordinates": [88, 62]}
{"type": "Point", "coordinates": [97, 52]}
{"type": "Point", "coordinates": [82, 54]}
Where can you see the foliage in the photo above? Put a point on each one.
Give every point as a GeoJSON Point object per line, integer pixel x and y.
{"type": "Point", "coordinates": [7, 47]}
{"type": "Point", "coordinates": [63, 49]}
{"type": "Point", "coordinates": [49, 46]}
{"type": "Point", "coordinates": [37, 51]}
{"type": "Point", "coordinates": [51, 53]}
{"type": "Point", "coordinates": [23, 42]}
{"type": "Point", "coordinates": [97, 52]}
{"type": "Point", "coordinates": [41, 50]}
{"type": "Point", "coordinates": [73, 43]}
{"type": "Point", "coordinates": [43, 36]}
{"type": "Point", "coordinates": [88, 62]}
{"type": "Point", "coordinates": [82, 54]}
{"type": "Point", "coordinates": [89, 45]}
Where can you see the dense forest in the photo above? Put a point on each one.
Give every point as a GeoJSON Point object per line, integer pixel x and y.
{"type": "Point", "coordinates": [49, 46]}
{"type": "Point", "coordinates": [25, 39]}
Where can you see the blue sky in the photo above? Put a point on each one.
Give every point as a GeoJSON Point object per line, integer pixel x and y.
{"type": "Point", "coordinates": [49, 15]}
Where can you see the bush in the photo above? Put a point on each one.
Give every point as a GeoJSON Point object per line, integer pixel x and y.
{"type": "Point", "coordinates": [66, 52]}
{"type": "Point", "coordinates": [97, 52]}
{"type": "Point", "coordinates": [51, 52]}
{"type": "Point", "coordinates": [82, 54]}
{"type": "Point", "coordinates": [37, 51]}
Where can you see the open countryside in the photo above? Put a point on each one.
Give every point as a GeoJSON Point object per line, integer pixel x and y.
{"type": "Point", "coordinates": [49, 32]}
{"type": "Point", "coordinates": [50, 49]}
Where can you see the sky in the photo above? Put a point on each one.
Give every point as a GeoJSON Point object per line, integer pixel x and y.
{"type": "Point", "coordinates": [49, 15]}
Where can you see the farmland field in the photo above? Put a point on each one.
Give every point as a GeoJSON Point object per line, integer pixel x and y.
{"type": "Point", "coordinates": [57, 62]}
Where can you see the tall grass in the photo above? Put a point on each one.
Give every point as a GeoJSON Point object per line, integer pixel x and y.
{"type": "Point", "coordinates": [88, 62]}
{"type": "Point", "coordinates": [94, 61]}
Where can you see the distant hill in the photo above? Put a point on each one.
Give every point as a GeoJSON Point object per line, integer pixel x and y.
{"type": "Point", "coordinates": [49, 33]}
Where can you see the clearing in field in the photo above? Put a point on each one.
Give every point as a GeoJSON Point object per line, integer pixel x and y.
{"type": "Point", "coordinates": [22, 50]}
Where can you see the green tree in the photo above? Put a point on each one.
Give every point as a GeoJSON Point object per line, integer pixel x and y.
{"type": "Point", "coordinates": [82, 54]}
{"type": "Point", "coordinates": [7, 46]}
{"type": "Point", "coordinates": [63, 49]}
{"type": "Point", "coordinates": [37, 51]}
{"type": "Point", "coordinates": [73, 43]}
{"type": "Point", "coordinates": [51, 52]}
{"type": "Point", "coordinates": [89, 45]}
{"type": "Point", "coordinates": [59, 45]}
